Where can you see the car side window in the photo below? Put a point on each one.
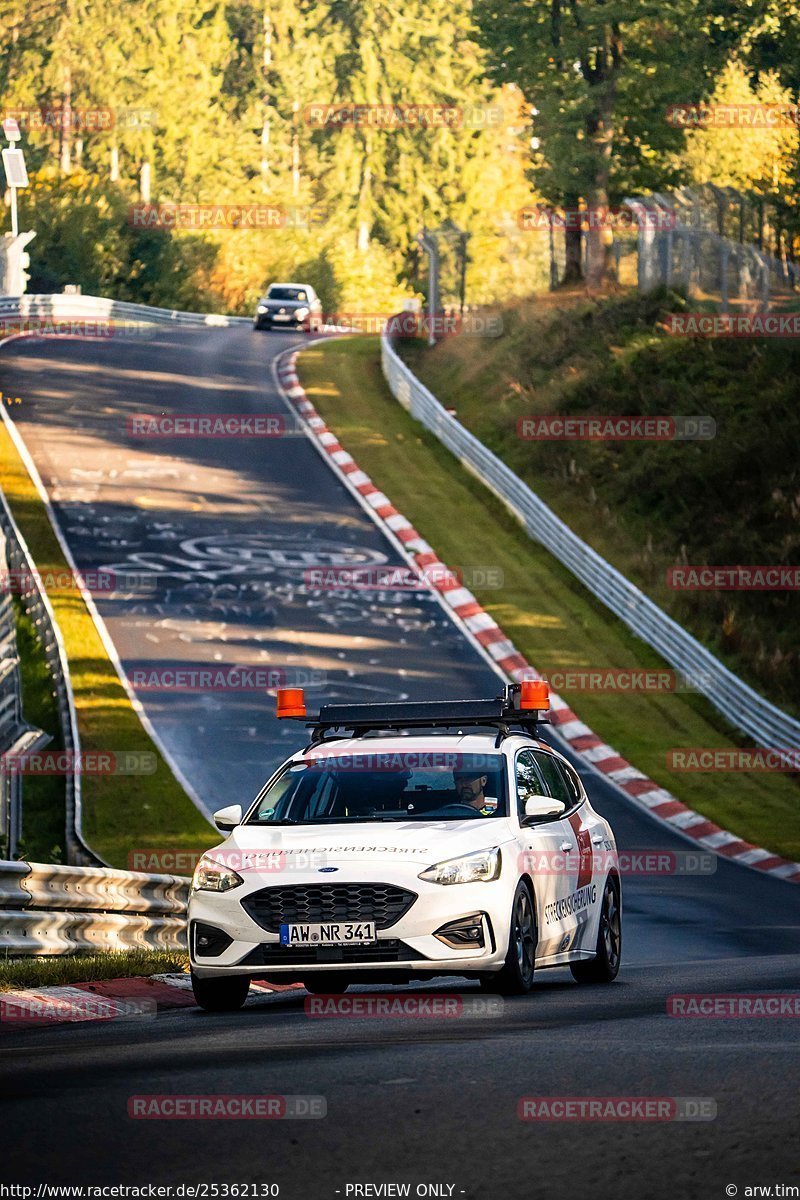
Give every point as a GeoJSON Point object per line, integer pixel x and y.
{"type": "Point", "coordinates": [529, 781]}
{"type": "Point", "coordinates": [573, 783]}
{"type": "Point", "coordinates": [555, 783]}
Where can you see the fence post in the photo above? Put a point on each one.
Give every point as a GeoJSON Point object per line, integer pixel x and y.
{"type": "Point", "coordinates": [724, 259]}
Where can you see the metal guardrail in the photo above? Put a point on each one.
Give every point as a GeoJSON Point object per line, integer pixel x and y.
{"type": "Point", "coordinates": [37, 605]}
{"type": "Point", "coordinates": [61, 910]}
{"type": "Point", "coordinates": [61, 307]}
{"type": "Point", "coordinates": [16, 735]}
{"type": "Point", "coordinates": [746, 710]}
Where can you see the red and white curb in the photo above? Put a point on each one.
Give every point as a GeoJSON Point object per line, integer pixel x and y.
{"type": "Point", "coordinates": [463, 606]}
{"type": "Point", "coordinates": [106, 1000]}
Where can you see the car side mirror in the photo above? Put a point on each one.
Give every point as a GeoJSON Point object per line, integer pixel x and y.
{"type": "Point", "coordinates": [228, 818]}
{"type": "Point", "coordinates": [539, 807]}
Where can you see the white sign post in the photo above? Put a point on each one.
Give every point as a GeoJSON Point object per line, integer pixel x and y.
{"type": "Point", "coordinates": [13, 256]}
{"type": "Point", "coordinates": [14, 164]}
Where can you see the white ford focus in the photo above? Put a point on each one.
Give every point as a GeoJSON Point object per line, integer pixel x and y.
{"type": "Point", "coordinates": [381, 853]}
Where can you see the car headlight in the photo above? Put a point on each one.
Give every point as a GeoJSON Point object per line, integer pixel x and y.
{"type": "Point", "coordinates": [302, 313]}
{"type": "Point", "coordinates": [470, 868]}
{"type": "Point", "coordinates": [262, 308]}
{"type": "Point", "coordinates": [212, 876]}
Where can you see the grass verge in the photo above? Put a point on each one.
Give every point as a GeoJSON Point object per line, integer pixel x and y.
{"type": "Point", "coordinates": [17, 973]}
{"type": "Point", "coordinates": [648, 506]}
{"type": "Point", "coordinates": [552, 619]}
{"type": "Point", "coordinates": [44, 798]}
{"type": "Point", "coordinates": [121, 813]}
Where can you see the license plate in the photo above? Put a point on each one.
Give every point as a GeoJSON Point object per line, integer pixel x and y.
{"type": "Point", "coordinates": [333, 933]}
{"type": "Point", "coordinates": [281, 317]}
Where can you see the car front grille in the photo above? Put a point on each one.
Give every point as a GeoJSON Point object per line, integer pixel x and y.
{"type": "Point", "coordinates": [274, 955]}
{"type": "Point", "coordinates": [320, 903]}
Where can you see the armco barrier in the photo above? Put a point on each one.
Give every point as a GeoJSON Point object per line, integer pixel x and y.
{"type": "Point", "coordinates": [61, 910]}
{"type": "Point", "coordinates": [16, 735]}
{"type": "Point", "coordinates": [98, 308]}
{"type": "Point", "coordinates": [35, 601]}
{"type": "Point", "coordinates": [763, 722]}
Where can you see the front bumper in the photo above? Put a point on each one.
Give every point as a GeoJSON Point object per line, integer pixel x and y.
{"type": "Point", "coordinates": [279, 321]}
{"type": "Point", "coordinates": [407, 947]}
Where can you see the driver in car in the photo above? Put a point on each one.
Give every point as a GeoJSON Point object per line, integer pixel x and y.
{"type": "Point", "coordinates": [469, 787]}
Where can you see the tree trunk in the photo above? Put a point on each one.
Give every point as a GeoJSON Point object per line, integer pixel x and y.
{"type": "Point", "coordinates": [573, 266]}
{"type": "Point", "coordinates": [65, 131]}
{"type": "Point", "coordinates": [600, 235]}
{"type": "Point", "coordinates": [295, 150]}
{"type": "Point", "coordinates": [266, 65]}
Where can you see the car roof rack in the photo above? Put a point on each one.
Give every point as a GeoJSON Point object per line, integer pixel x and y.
{"type": "Point", "coordinates": [500, 713]}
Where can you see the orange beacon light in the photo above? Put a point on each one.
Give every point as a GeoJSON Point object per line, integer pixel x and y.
{"type": "Point", "coordinates": [290, 702]}
{"type": "Point", "coordinates": [534, 693]}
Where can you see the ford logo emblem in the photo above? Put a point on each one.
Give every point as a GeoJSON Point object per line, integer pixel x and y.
{"type": "Point", "coordinates": [327, 870]}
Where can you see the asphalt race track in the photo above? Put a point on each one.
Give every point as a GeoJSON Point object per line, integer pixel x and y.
{"type": "Point", "coordinates": [215, 535]}
{"type": "Point", "coordinates": [222, 531]}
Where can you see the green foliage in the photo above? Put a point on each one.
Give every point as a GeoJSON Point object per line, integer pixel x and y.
{"type": "Point", "coordinates": [761, 159]}
{"type": "Point", "coordinates": [223, 92]}
{"type": "Point", "coordinates": [647, 506]}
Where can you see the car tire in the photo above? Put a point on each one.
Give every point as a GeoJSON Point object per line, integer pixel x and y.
{"type": "Point", "coordinates": [226, 993]}
{"type": "Point", "coordinates": [604, 967]}
{"type": "Point", "coordinates": [326, 985]}
{"type": "Point", "coordinates": [515, 978]}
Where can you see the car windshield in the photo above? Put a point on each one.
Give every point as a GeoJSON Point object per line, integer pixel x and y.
{"type": "Point", "coordinates": [385, 787]}
{"type": "Point", "coordinates": [286, 293]}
